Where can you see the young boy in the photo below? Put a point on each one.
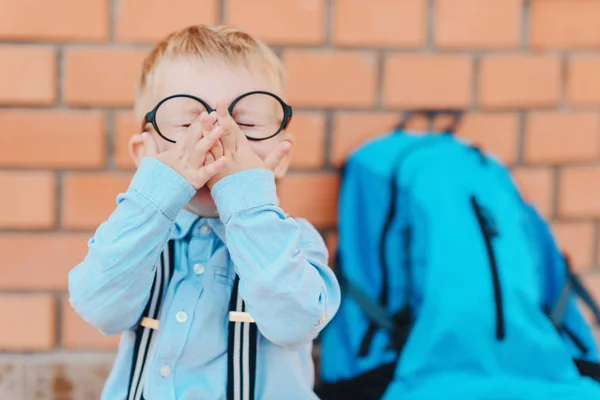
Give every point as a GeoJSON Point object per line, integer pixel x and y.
{"type": "Point", "coordinates": [218, 293]}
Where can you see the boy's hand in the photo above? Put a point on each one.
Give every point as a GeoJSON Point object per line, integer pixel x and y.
{"type": "Point", "coordinates": [236, 148]}
{"type": "Point", "coordinates": [274, 159]}
{"type": "Point", "coordinates": [189, 154]}
{"type": "Point", "coordinates": [208, 125]}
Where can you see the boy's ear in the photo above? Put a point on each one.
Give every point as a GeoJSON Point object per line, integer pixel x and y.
{"type": "Point", "coordinates": [136, 148]}
{"type": "Point", "coordinates": [284, 164]}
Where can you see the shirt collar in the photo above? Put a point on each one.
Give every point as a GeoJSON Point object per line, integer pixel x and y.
{"type": "Point", "coordinates": [183, 223]}
{"type": "Point", "coordinates": [187, 220]}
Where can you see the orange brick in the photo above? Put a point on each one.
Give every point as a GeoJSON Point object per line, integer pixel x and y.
{"type": "Point", "coordinates": [311, 196]}
{"type": "Point", "coordinates": [583, 80]}
{"type": "Point", "coordinates": [579, 192]}
{"type": "Point", "coordinates": [79, 335]}
{"type": "Point", "coordinates": [560, 137]}
{"type": "Point", "coordinates": [28, 200]}
{"type": "Point", "coordinates": [497, 133]}
{"type": "Point", "coordinates": [537, 186]}
{"type": "Point", "coordinates": [27, 75]}
{"type": "Point", "coordinates": [150, 21]}
{"type": "Point", "coordinates": [47, 257]}
{"type": "Point", "coordinates": [591, 281]}
{"type": "Point", "coordinates": [476, 24]}
{"type": "Point", "coordinates": [125, 127]}
{"type": "Point", "coordinates": [577, 239]}
{"type": "Point", "coordinates": [280, 22]}
{"type": "Point", "coordinates": [353, 129]}
{"type": "Point", "coordinates": [565, 23]}
{"type": "Point", "coordinates": [29, 322]}
{"type": "Point", "coordinates": [331, 79]}
{"type": "Point", "coordinates": [513, 81]}
{"type": "Point", "coordinates": [54, 20]}
{"type": "Point", "coordinates": [53, 139]}
{"type": "Point", "coordinates": [383, 23]}
{"type": "Point", "coordinates": [308, 129]}
{"type": "Point", "coordinates": [101, 77]}
{"type": "Point", "coordinates": [427, 81]}
{"type": "Point", "coordinates": [89, 199]}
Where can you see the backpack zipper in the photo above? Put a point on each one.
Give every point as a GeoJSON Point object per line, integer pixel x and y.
{"type": "Point", "coordinates": [489, 231]}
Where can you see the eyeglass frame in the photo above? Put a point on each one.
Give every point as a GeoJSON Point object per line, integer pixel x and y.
{"type": "Point", "coordinates": [150, 116]}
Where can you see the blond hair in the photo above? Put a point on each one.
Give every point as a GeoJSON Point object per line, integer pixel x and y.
{"type": "Point", "coordinates": [223, 43]}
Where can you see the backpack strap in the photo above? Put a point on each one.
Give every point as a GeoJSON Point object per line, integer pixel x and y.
{"type": "Point", "coordinates": [144, 333]}
{"type": "Point", "coordinates": [557, 313]}
{"type": "Point", "coordinates": [430, 114]}
{"type": "Point", "coordinates": [241, 349]}
{"type": "Point", "coordinates": [374, 310]}
{"type": "Point", "coordinates": [585, 296]}
{"type": "Point", "coordinates": [573, 284]}
{"type": "Point", "coordinates": [586, 368]}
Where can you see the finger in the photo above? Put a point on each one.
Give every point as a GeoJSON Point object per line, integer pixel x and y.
{"type": "Point", "coordinates": [150, 145]}
{"type": "Point", "coordinates": [275, 157]}
{"type": "Point", "coordinates": [208, 141]}
{"type": "Point", "coordinates": [193, 133]}
{"type": "Point", "coordinates": [229, 126]}
{"type": "Point", "coordinates": [208, 122]}
{"type": "Point", "coordinates": [209, 159]}
{"type": "Point", "coordinates": [217, 150]}
{"type": "Point", "coordinates": [207, 125]}
{"type": "Point", "coordinates": [210, 170]}
{"type": "Point", "coordinates": [192, 136]}
{"type": "Point", "coordinates": [213, 117]}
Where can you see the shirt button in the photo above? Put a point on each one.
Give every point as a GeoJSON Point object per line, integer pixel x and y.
{"type": "Point", "coordinates": [181, 317]}
{"type": "Point", "coordinates": [165, 371]}
{"type": "Point", "coordinates": [198, 269]}
{"type": "Point", "coordinates": [205, 229]}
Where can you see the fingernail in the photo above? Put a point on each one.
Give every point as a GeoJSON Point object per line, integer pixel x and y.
{"type": "Point", "coordinates": [286, 145]}
{"type": "Point", "coordinates": [145, 135]}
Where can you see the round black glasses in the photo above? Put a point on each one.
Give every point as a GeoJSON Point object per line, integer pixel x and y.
{"type": "Point", "coordinates": [261, 115]}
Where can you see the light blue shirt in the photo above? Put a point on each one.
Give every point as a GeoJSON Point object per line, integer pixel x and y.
{"type": "Point", "coordinates": [284, 279]}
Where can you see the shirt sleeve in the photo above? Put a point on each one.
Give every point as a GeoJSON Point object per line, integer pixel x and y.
{"type": "Point", "coordinates": [282, 262]}
{"type": "Point", "coordinates": [111, 286]}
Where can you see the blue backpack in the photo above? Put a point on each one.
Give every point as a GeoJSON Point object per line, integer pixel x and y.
{"type": "Point", "coordinates": [454, 287]}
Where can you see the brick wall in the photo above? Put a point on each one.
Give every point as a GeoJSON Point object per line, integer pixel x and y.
{"type": "Point", "coordinates": [528, 71]}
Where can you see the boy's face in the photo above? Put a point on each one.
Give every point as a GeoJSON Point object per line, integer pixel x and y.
{"type": "Point", "coordinates": [214, 82]}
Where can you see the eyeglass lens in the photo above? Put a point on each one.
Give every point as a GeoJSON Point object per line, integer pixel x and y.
{"type": "Point", "coordinates": [259, 115]}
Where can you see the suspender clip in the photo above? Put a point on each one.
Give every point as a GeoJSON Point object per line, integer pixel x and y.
{"type": "Point", "coordinates": [150, 323]}
{"type": "Point", "coordinates": [238, 316]}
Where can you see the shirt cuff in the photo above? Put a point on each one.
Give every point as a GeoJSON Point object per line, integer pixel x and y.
{"type": "Point", "coordinates": [244, 190]}
{"type": "Point", "coordinates": [162, 186]}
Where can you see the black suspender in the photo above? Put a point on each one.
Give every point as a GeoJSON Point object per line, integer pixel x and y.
{"type": "Point", "coordinates": [241, 353]}
{"type": "Point", "coordinates": [144, 333]}
{"type": "Point", "coordinates": [242, 337]}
